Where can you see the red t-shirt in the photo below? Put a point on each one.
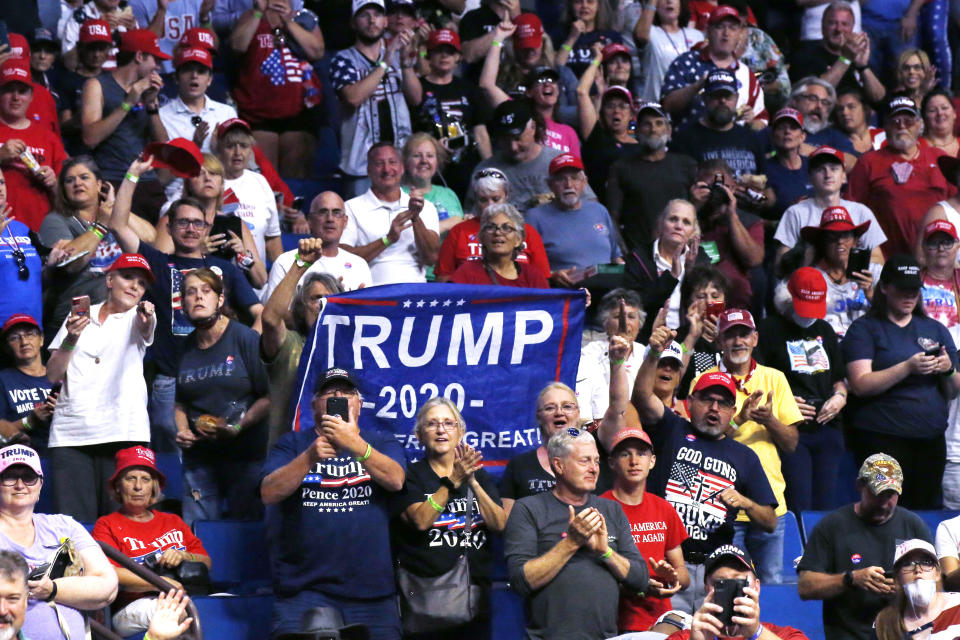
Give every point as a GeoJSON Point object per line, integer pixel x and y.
{"type": "Point", "coordinates": [43, 108]}
{"type": "Point", "coordinates": [270, 83]}
{"type": "Point", "coordinates": [784, 633]}
{"type": "Point", "coordinates": [138, 540]}
{"type": "Point", "coordinates": [899, 192]}
{"type": "Point", "coordinates": [462, 244]}
{"type": "Point", "coordinates": [472, 272]}
{"type": "Point", "coordinates": [656, 528]}
{"type": "Point", "coordinates": [700, 11]}
{"type": "Point", "coordinates": [27, 196]}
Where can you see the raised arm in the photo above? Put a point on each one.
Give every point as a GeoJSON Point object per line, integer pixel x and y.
{"type": "Point", "coordinates": [649, 406]}
{"type": "Point", "coordinates": [614, 419]}
{"type": "Point", "coordinates": [491, 64]}
{"type": "Point", "coordinates": [277, 306]}
{"type": "Point", "coordinates": [586, 108]}
{"type": "Point", "coordinates": [120, 217]}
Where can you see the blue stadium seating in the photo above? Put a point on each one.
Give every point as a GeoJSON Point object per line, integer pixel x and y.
{"type": "Point", "coordinates": [238, 549]}
{"type": "Point", "coordinates": [808, 520]}
{"type": "Point", "coordinates": [781, 605]}
{"type": "Point", "coordinates": [509, 619]}
{"type": "Point", "coordinates": [235, 617]}
{"type": "Point", "coordinates": [934, 518]}
{"type": "Point", "coordinates": [170, 466]}
{"type": "Point", "coordinates": [792, 547]}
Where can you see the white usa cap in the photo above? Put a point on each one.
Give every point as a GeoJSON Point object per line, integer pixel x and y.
{"type": "Point", "coordinates": [359, 5]}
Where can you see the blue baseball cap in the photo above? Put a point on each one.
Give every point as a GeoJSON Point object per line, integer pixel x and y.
{"type": "Point", "coordinates": [720, 80]}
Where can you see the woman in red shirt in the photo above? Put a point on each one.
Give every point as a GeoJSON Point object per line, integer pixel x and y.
{"type": "Point", "coordinates": [501, 239]}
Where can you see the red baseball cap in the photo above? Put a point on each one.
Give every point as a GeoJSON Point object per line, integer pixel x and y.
{"type": "Point", "coordinates": [14, 70]}
{"type": "Point", "coordinates": [95, 31]}
{"type": "Point", "coordinates": [940, 226]}
{"type": "Point", "coordinates": [716, 379]}
{"type": "Point", "coordinates": [809, 290]}
{"type": "Point", "coordinates": [199, 38]}
{"type": "Point", "coordinates": [138, 456]}
{"type": "Point", "coordinates": [834, 219]}
{"type": "Point", "coordinates": [132, 261]}
{"type": "Point", "coordinates": [192, 54]}
{"type": "Point", "coordinates": [630, 433]}
{"type": "Point", "coordinates": [181, 156]}
{"type": "Point", "coordinates": [734, 317]}
{"type": "Point", "coordinates": [614, 49]}
{"type": "Point", "coordinates": [226, 125]}
{"type": "Point", "coordinates": [142, 41]}
{"type": "Point", "coordinates": [19, 47]}
{"type": "Point", "coordinates": [19, 318]}
{"type": "Point", "coordinates": [723, 12]}
{"type": "Point", "coordinates": [529, 32]}
{"type": "Point", "coordinates": [443, 38]}
{"type": "Point", "coordinates": [565, 161]}
{"type": "Point", "coordinates": [617, 90]}
{"type": "Point", "coordinates": [825, 154]}
{"type": "Point", "coordinates": [788, 114]}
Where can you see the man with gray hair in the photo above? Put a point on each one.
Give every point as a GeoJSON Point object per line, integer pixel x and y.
{"type": "Point", "coordinates": [573, 588]}
{"type": "Point", "coordinates": [814, 98]}
{"type": "Point", "coordinates": [13, 595]}
{"type": "Point", "coordinates": [842, 56]}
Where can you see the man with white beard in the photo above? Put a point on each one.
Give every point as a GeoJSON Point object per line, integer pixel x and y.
{"type": "Point", "coordinates": [13, 594]}
{"type": "Point", "coordinates": [814, 98]}
{"type": "Point", "coordinates": [766, 421]}
{"type": "Point", "coordinates": [633, 205]}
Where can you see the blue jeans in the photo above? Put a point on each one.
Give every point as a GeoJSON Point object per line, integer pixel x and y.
{"type": "Point", "coordinates": [766, 549]}
{"type": "Point", "coordinates": [380, 615]}
{"type": "Point", "coordinates": [163, 428]}
{"type": "Point", "coordinates": [206, 485]}
{"type": "Point", "coordinates": [811, 471]}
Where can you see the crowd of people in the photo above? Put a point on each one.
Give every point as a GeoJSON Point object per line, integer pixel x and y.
{"type": "Point", "coordinates": [760, 199]}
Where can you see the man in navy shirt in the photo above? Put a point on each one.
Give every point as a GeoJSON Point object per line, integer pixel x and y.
{"type": "Point", "coordinates": [705, 475]}
{"type": "Point", "coordinates": [26, 404]}
{"type": "Point", "coordinates": [327, 492]}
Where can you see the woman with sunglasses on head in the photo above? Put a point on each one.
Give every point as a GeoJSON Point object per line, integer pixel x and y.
{"type": "Point", "coordinates": [920, 608]}
{"type": "Point", "coordinates": [20, 264]}
{"type": "Point", "coordinates": [462, 243]}
{"type": "Point", "coordinates": [431, 531]}
{"type": "Point", "coordinates": [501, 239]}
{"type": "Point", "coordinates": [37, 537]}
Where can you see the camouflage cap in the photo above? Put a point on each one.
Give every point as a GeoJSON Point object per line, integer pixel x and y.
{"type": "Point", "coordinates": [881, 472]}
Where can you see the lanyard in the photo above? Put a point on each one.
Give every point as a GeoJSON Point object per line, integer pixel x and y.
{"type": "Point", "coordinates": [741, 385]}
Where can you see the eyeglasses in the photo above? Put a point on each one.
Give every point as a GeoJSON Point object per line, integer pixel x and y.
{"type": "Point", "coordinates": [23, 271]}
{"type": "Point", "coordinates": [22, 336]}
{"type": "Point", "coordinates": [926, 564]}
{"type": "Point", "coordinates": [546, 80]}
{"type": "Point", "coordinates": [434, 425]}
{"type": "Point", "coordinates": [28, 477]}
{"type": "Point", "coordinates": [825, 100]}
{"type": "Point", "coordinates": [566, 407]}
{"type": "Point", "coordinates": [723, 403]}
{"type": "Point", "coordinates": [505, 229]}
{"type": "Point", "coordinates": [912, 67]}
{"type": "Point", "coordinates": [195, 223]}
{"type": "Point", "coordinates": [491, 173]}
{"type": "Point", "coordinates": [329, 213]}
{"type": "Point", "coordinates": [940, 245]}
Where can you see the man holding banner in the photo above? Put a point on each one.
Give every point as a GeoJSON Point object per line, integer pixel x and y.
{"type": "Point", "coordinates": [327, 490]}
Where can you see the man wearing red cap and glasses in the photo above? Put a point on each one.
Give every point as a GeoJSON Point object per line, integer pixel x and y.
{"type": "Point", "coordinates": [26, 401]}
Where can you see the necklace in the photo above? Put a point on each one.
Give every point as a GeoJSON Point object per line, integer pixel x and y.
{"type": "Point", "coordinates": [686, 43]}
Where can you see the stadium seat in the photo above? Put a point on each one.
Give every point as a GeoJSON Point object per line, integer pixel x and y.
{"type": "Point", "coordinates": [809, 519]}
{"type": "Point", "coordinates": [792, 547]}
{"type": "Point", "coordinates": [170, 466]}
{"type": "Point", "coordinates": [235, 617]}
{"type": "Point", "coordinates": [934, 518]}
{"type": "Point", "coordinates": [291, 241]}
{"type": "Point", "coordinates": [509, 619]}
{"type": "Point", "coordinates": [238, 549]}
{"type": "Point", "coordinates": [499, 571]}
{"type": "Point", "coordinates": [781, 605]}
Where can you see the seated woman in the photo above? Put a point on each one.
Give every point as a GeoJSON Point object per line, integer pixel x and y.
{"type": "Point", "coordinates": [36, 537]}
{"type": "Point", "coordinates": [501, 239]}
{"type": "Point", "coordinates": [142, 533]}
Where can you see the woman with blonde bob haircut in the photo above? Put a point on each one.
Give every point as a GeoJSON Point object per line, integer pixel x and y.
{"type": "Point", "coordinates": [432, 530]}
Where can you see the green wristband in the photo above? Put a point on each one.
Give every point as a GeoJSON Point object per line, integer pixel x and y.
{"type": "Point", "coordinates": [607, 554]}
{"type": "Point", "coordinates": [386, 241]}
{"type": "Point", "coordinates": [126, 106]}
{"type": "Point", "coordinates": [366, 455]}
{"type": "Point", "coordinates": [497, 43]}
{"type": "Point", "coordinates": [433, 503]}
{"type": "Point", "coordinates": [257, 14]}
{"type": "Point", "coordinates": [566, 47]}
{"type": "Point", "coordinates": [132, 178]}
{"type": "Point", "coordinates": [617, 362]}
{"type": "Point", "coordinates": [844, 60]}
{"type": "Point", "coordinates": [96, 232]}
{"type": "Point", "coordinates": [26, 423]}
{"type": "Point", "coordinates": [66, 346]}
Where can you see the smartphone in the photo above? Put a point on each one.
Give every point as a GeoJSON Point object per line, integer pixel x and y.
{"type": "Point", "coordinates": [933, 351]}
{"type": "Point", "coordinates": [72, 258]}
{"type": "Point", "coordinates": [714, 309]}
{"type": "Point", "coordinates": [38, 572]}
{"type": "Point", "coordinates": [297, 203]}
{"type": "Point", "coordinates": [859, 261]}
{"type": "Point", "coordinates": [4, 33]}
{"type": "Point", "coordinates": [622, 320]}
{"type": "Point", "coordinates": [223, 224]}
{"type": "Point", "coordinates": [55, 388]}
{"type": "Point", "coordinates": [337, 406]}
{"type": "Point", "coordinates": [725, 591]}
{"type": "Point", "coordinates": [80, 306]}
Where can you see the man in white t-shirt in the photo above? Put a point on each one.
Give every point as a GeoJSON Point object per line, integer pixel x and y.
{"type": "Point", "coordinates": [398, 234]}
{"type": "Point", "coordinates": [327, 220]}
{"type": "Point", "coordinates": [193, 114]}
{"type": "Point", "coordinates": [828, 177]}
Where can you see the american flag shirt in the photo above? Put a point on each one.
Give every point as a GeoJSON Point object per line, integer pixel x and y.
{"type": "Point", "coordinates": [271, 80]}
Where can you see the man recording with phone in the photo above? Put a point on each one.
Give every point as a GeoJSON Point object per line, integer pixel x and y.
{"type": "Point", "coordinates": [327, 492]}
{"type": "Point", "coordinates": [732, 606]}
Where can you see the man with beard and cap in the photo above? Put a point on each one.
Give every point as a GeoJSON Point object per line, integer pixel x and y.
{"type": "Point", "coordinates": [633, 205]}
{"type": "Point", "coordinates": [815, 98]}
{"type": "Point", "coordinates": [371, 83]}
{"type": "Point", "coordinates": [13, 595]}
{"type": "Point", "coordinates": [901, 181]}
{"type": "Point", "coordinates": [705, 474]}
{"type": "Point", "coordinates": [847, 557]}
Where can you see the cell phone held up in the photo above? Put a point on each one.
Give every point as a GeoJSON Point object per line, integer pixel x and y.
{"type": "Point", "coordinates": [725, 591]}
{"type": "Point", "coordinates": [338, 406]}
{"type": "Point", "coordinates": [80, 306]}
{"type": "Point", "coordinates": [714, 309]}
{"type": "Point", "coordinates": [858, 261]}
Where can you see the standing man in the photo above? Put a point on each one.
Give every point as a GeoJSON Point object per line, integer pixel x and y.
{"type": "Point", "coordinates": [371, 84]}
{"type": "Point", "coordinates": [193, 114]}
{"type": "Point", "coordinates": [396, 232]}
{"type": "Point", "coordinates": [656, 529]}
{"type": "Point", "coordinates": [847, 557]}
{"type": "Point", "coordinates": [569, 551]}
{"type": "Point", "coordinates": [170, 19]}
{"type": "Point", "coordinates": [327, 493]}
{"type": "Point", "coordinates": [766, 421]}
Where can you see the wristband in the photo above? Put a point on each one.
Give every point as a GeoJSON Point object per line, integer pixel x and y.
{"type": "Point", "coordinates": [842, 394]}
{"type": "Point", "coordinates": [96, 232]}
{"type": "Point", "coordinates": [235, 427]}
{"type": "Point", "coordinates": [132, 178]}
{"type": "Point", "coordinates": [26, 423]}
{"type": "Point", "coordinates": [655, 354]}
{"type": "Point", "coordinates": [257, 14]}
{"type": "Point", "coordinates": [423, 54]}
{"type": "Point", "coordinates": [66, 346]}
{"type": "Point", "coordinates": [566, 47]}
{"type": "Point", "coordinates": [596, 62]}
{"type": "Point", "coordinates": [733, 423]}
{"type": "Point", "coordinates": [757, 634]}
{"type": "Point", "coordinates": [618, 362]}
{"type": "Point", "coordinates": [683, 348]}
{"type": "Point", "coordinates": [386, 241]}
{"type": "Point", "coordinates": [497, 43]}
{"type": "Point", "coordinates": [433, 503]}
{"type": "Point", "coordinates": [366, 455]}
{"type": "Point", "coordinates": [845, 61]}
{"type": "Point", "coordinates": [606, 555]}
{"type": "Point", "coordinates": [126, 106]}
{"type": "Point", "coordinates": [383, 65]}
{"type": "Point", "coordinates": [949, 372]}
{"type": "Point", "coordinates": [300, 261]}
{"type": "Point", "coordinates": [53, 593]}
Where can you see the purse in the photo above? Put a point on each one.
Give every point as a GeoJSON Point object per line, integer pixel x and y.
{"type": "Point", "coordinates": [440, 602]}
{"type": "Point", "coordinates": [193, 575]}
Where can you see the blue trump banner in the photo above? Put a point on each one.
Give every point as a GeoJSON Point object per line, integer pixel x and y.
{"type": "Point", "coordinates": [488, 349]}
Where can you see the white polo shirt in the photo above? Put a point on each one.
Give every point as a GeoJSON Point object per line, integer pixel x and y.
{"type": "Point", "coordinates": [176, 118]}
{"type": "Point", "coordinates": [351, 269]}
{"type": "Point", "coordinates": [369, 218]}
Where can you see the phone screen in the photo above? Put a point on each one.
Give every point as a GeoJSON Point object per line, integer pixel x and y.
{"type": "Point", "coordinates": [4, 33]}
{"type": "Point", "coordinates": [714, 309]}
{"type": "Point", "coordinates": [859, 260]}
{"type": "Point", "coordinates": [80, 305]}
{"type": "Point", "coordinates": [337, 406]}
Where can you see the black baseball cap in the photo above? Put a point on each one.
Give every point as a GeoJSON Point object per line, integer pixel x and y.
{"type": "Point", "coordinates": [728, 553]}
{"type": "Point", "coordinates": [334, 374]}
{"type": "Point", "coordinates": [510, 118]}
{"type": "Point", "coordinates": [902, 270]}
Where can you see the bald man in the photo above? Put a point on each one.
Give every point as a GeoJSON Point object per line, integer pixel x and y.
{"type": "Point", "coordinates": [327, 219]}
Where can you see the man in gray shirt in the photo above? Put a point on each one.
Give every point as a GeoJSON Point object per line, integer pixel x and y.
{"type": "Point", "coordinates": [568, 551]}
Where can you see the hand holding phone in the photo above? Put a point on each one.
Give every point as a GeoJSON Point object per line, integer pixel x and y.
{"type": "Point", "coordinates": [725, 591]}
{"type": "Point", "coordinates": [338, 406]}
{"type": "Point", "coordinates": [714, 309]}
{"type": "Point", "coordinates": [622, 320]}
{"type": "Point", "coordinates": [80, 306]}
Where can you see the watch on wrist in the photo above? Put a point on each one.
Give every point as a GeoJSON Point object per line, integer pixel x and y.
{"type": "Point", "coordinates": [448, 483]}
{"type": "Point", "coordinates": [848, 578]}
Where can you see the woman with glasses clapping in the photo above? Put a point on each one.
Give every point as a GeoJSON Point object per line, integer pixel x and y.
{"type": "Point", "coordinates": [501, 239]}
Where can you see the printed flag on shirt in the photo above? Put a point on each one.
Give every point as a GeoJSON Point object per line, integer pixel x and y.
{"type": "Point", "coordinates": [282, 67]}
{"type": "Point", "coordinates": [231, 203]}
{"type": "Point", "coordinates": [690, 485]}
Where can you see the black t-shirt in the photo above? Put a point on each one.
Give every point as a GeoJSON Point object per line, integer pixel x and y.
{"type": "Point", "coordinates": [476, 24]}
{"type": "Point", "coordinates": [445, 104]}
{"type": "Point", "coordinates": [223, 379]}
{"type": "Point", "coordinates": [841, 541]}
{"type": "Point", "coordinates": [599, 152]}
{"type": "Point", "coordinates": [435, 551]}
{"type": "Point", "coordinates": [525, 477]}
{"type": "Point", "coordinates": [809, 357]}
{"type": "Point", "coordinates": [812, 59]}
{"type": "Point", "coordinates": [740, 147]}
